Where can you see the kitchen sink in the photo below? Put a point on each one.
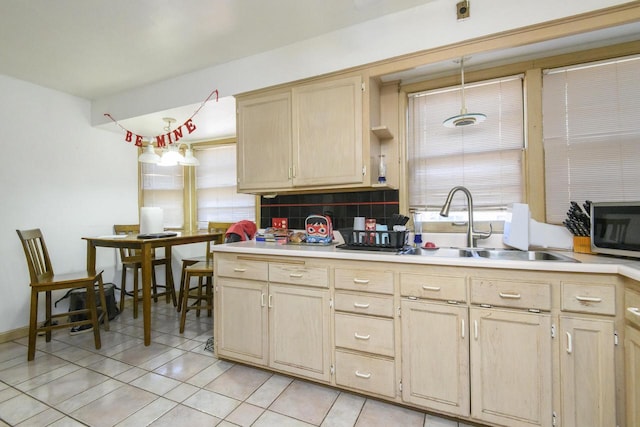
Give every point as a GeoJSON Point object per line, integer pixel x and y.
{"type": "Point", "coordinates": [496, 254]}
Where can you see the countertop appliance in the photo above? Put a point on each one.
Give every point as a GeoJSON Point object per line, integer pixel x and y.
{"type": "Point", "coordinates": [615, 228]}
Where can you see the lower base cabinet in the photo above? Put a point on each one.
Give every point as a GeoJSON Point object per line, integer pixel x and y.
{"type": "Point", "coordinates": [365, 372]}
{"type": "Point", "coordinates": [587, 372]}
{"type": "Point", "coordinates": [435, 364]}
{"type": "Point", "coordinates": [511, 367]}
{"type": "Point", "coordinates": [299, 331]}
{"type": "Point", "coordinates": [632, 369]}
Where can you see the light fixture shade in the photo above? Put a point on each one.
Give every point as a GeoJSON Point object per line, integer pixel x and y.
{"type": "Point", "coordinates": [149, 155]}
{"type": "Point", "coordinates": [464, 119]}
{"type": "Point", "coordinates": [189, 158]}
{"type": "Point", "coordinates": [171, 156]}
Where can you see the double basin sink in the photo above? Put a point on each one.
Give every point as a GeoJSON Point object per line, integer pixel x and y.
{"type": "Point", "coordinates": [495, 254]}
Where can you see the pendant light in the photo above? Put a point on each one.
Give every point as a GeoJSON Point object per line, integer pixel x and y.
{"type": "Point", "coordinates": [149, 154]}
{"type": "Point", "coordinates": [464, 118]}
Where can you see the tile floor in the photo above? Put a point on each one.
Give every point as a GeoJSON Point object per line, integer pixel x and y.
{"type": "Point", "coordinates": [174, 381]}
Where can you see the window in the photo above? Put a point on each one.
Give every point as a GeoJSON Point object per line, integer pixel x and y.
{"type": "Point", "coordinates": [218, 199]}
{"type": "Point", "coordinates": [209, 188]}
{"type": "Point", "coordinates": [591, 134]}
{"type": "Point", "coordinates": [163, 187]}
{"type": "Point", "coordinates": [485, 158]}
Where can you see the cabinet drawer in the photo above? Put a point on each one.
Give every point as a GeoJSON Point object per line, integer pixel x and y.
{"type": "Point", "coordinates": [241, 269]}
{"type": "Point", "coordinates": [299, 275]}
{"type": "Point", "coordinates": [449, 288]}
{"type": "Point", "coordinates": [588, 298]}
{"type": "Point", "coordinates": [364, 333]}
{"type": "Point", "coordinates": [365, 373]}
{"type": "Point", "coordinates": [507, 293]}
{"type": "Point", "coordinates": [364, 304]}
{"type": "Point", "coordinates": [364, 280]}
{"type": "Point", "coordinates": [632, 307]}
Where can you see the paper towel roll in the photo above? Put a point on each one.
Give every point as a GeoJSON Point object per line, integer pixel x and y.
{"type": "Point", "coordinates": [151, 220]}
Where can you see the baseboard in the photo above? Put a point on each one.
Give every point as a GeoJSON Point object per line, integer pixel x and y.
{"type": "Point", "coordinates": [14, 334]}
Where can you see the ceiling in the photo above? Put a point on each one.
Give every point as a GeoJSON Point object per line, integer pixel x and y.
{"type": "Point", "coordinates": [96, 48]}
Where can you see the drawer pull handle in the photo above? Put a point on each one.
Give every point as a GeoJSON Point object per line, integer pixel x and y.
{"type": "Point", "coordinates": [431, 288]}
{"type": "Point", "coordinates": [361, 375]}
{"type": "Point", "coordinates": [509, 296]}
{"type": "Point", "coordinates": [634, 310]}
{"type": "Point", "coordinates": [588, 299]}
{"type": "Point", "coordinates": [239, 270]}
{"type": "Point", "coordinates": [262, 299]}
{"type": "Point", "coordinates": [361, 337]}
{"type": "Point", "coordinates": [569, 343]}
{"type": "Point", "coordinates": [296, 275]}
{"type": "Point", "coordinates": [361, 281]}
{"type": "Point", "coordinates": [360, 305]}
{"type": "Point", "coordinates": [475, 329]}
{"type": "Point", "coordinates": [270, 301]}
{"type": "Point", "coordinates": [462, 327]}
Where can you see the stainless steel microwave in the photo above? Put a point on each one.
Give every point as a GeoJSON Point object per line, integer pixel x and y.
{"type": "Point", "coordinates": [615, 228]}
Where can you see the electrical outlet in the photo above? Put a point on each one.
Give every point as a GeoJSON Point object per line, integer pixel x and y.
{"type": "Point", "coordinates": [463, 10]}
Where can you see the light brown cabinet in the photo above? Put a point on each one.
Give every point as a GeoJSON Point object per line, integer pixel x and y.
{"type": "Point", "coordinates": [275, 315]}
{"type": "Point", "coordinates": [365, 337]}
{"type": "Point", "coordinates": [435, 356]}
{"type": "Point", "coordinates": [511, 367]}
{"type": "Point", "coordinates": [315, 135]}
{"type": "Point", "coordinates": [632, 355]}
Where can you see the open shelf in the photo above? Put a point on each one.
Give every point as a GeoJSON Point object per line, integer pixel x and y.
{"type": "Point", "coordinates": [382, 132]}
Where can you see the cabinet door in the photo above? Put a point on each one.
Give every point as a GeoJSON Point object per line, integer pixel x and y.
{"type": "Point", "coordinates": [299, 331]}
{"type": "Point", "coordinates": [264, 142]}
{"type": "Point", "coordinates": [511, 367]}
{"type": "Point", "coordinates": [435, 365]}
{"type": "Point", "coordinates": [241, 320]}
{"type": "Point", "coordinates": [632, 374]}
{"type": "Point", "coordinates": [587, 372]}
{"type": "Point", "coordinates": [327, 133]}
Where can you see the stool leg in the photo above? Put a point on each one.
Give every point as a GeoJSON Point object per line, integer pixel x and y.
{"type": "Point", "coordinates": [209, 296]}
{"type": "Point", "coordinates": [33, 324]}
{"type": "Point", "coordinates": [199, 299]}
{"type": "Point", "coordinates": [135, 292]}
{"type": "Point", "coordinates": [185, 301]}
{"type": "Point", "coordinates": [123, 287]}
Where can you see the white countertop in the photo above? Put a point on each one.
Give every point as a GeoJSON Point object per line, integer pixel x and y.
{"type": "Point", "coordinates": [588, 263]}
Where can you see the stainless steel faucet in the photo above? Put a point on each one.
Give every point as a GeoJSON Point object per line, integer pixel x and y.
{"type": "Point", "coordinates": [472, 235]}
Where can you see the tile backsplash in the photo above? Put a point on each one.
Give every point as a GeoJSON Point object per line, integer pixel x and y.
{"type": "Point", "coordinates": [341, 207]}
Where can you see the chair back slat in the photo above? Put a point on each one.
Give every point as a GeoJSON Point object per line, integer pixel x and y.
{"type": "Point", "coordinates": [216, 227]}
{"type": "Point", "coordinates": [35, 251]}
{"type": "Point", "coordinates": [128, 254]}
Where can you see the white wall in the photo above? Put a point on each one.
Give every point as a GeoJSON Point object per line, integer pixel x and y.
{"type": "Point", "coordinates": [424, 27]}
{"type": "Point", "coordinates": [61, 175]}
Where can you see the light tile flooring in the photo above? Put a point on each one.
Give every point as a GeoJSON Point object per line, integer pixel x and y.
{"type": "Point", "coordinates": [174, 381]}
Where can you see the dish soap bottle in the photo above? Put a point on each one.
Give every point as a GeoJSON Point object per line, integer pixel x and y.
{"type": "Point", "coordinates": [382, 170]}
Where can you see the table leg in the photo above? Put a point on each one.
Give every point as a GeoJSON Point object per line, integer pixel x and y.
{"type": "Point", "coordinates": [91, 258]}
{"type": "Point", "coordinates": [146, 292]}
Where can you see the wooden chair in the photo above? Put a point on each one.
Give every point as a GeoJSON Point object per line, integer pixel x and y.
{"type": "Point", "coordinates": [131, 260]}
{"type": "Point", "coordinates": [44, 280]}
{"type": "Point", "coordinates": [203, 270]}
{"type": "Point", "coordinates": [212, 227]}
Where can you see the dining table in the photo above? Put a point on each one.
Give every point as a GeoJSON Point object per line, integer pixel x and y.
{"type": "Point", "coordinates": [146, 245]}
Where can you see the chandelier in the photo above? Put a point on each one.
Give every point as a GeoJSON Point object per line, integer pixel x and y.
{"type": "Point", "coordinates": [171, 155]}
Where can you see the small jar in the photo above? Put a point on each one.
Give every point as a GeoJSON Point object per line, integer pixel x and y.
{"type": "Point", "coordinates": [382, 170]}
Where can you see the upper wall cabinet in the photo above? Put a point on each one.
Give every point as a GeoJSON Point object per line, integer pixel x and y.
{"type": "Point", "coordinates": [310, 136]}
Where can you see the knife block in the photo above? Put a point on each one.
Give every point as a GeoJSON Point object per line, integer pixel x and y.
{"type": "Point", "coordinates": [582, 244]}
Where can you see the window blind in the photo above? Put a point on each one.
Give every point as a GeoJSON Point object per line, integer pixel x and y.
{"type": "Point", "coordinates": [218, 199]}
{"type": "Point", "coordinates": [162, 187]}
{"type": "Point", "coordinates": [486, 158]}
{"type": "Point", "coordinates": [591, 134]}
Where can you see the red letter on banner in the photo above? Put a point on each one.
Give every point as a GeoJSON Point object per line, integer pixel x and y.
{"type": "Point", "coordinates": [160, 141]}
{"type": "Point", "coordinates": [190, 125]}
{"type": "Point", "coordinates": [177, 133]}
{"type": "Point", "coordinates": [138, 141]}
{"type": "Point", "coordinates": [128, 136]}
